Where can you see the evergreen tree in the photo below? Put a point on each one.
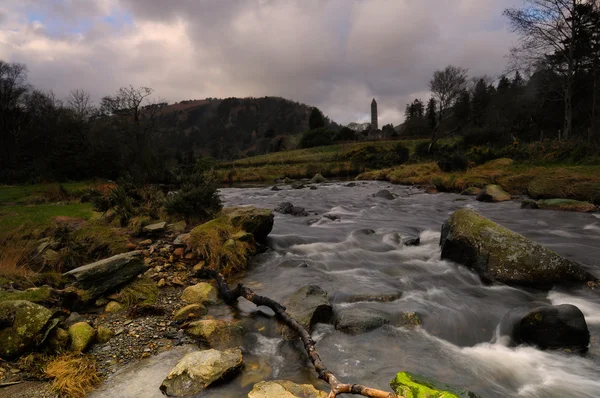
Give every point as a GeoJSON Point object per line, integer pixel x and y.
{"type": "Point", "coordinates": [316, 119]}
{"type": "Point", "coordinates": [430, 113]}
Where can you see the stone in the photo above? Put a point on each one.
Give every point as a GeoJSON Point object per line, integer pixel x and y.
{"type": "Point", "coordinates": [498, 254]}
{"type": "Point", "coordinates": [553, 327]}
{"type": "Point", "coordinates": [313, 188]}
{"type": "Point", "coordinates": [105, 275]}
{"type": "Point", "coordinates": [216, 333]}
{"type": "Point", "coordinates": [114, 306]}
{"type": "Point", "coordinates": [318, 179]}
{"type": "Point", "coordinates": [73, 318]}
{"type": "Point", "coordinates": [285, 389]}
{"type": "Point", "coordinates": [58, 340]}
{"type": "Point", "coordinates": [412, 242]}
{"type": "Point", "coordinates": [298, 185]}
{"type": "Point", "coordinates": [380, 298]}
{"type": "Point", "coordinates": [103, 335]}
{"type": "Point", "coordinates": [82, 336]}
{"type": "Point", "coordinates": [409, 320]}
{"type": "Point", "coordinates": [179, 252]}
{"type": "Point", "coordinates": [360, 320]}
{"type": "Point", "coordinates": [307, 305]}
{"type": "Point", "coordinates": [529, 204]}
{"type": "Point", "coordinates": [181, 240]}
{"type": "Point", "coordinates": [189, 312]}
{"type": "Point", "coordinates": [566, 205]}
{"type": "Point", "coordinates": [198, 370]}
{"type": "Point", "coordinates": [23, 326]}
{"type": "Point", "coordinates": [293, 264]}
{"type": "Point", "coordinates": [200, 293]}
{"type": "Point", "coordinates": [259, 222]}
{"type": "Point", "coordinates": [161, 283]}
{"type": "Point", "coordinates": [409, 385]}
{"type": "Point", "coordinates": [287, 180]}
{"type": "Point", "coordinates": [384, 194]}
{"type": "Point", "coordinates": [351, 185]}
{"type": "Point", "coordinates": [275, 188]}
{"type": "Point", "coordinates": [471, 191]}
{"type": "Point", "coordinates": [493, 193]}
{"type": "Point", "coordinates": [155, 228]}
{"type": "Point", "coordinates": [288, 208]}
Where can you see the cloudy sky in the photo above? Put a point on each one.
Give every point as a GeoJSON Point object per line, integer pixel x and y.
{"type": "Point", "coordinates": [334, 54]}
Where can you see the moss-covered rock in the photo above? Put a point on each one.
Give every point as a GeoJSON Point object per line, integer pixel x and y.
{"type": "Point", "coordinates": [216, 333]}
{"type": "Point", "coordinates": [493, 193]}
{"type": "Point", "coordinates": [285, 389]}
{"type": "Point", "coordinates": [259, 222]}
{"type": "Point", "coordinates": [471, 191]}
{"type": "Point", "coordinates": [58, 340]}
{"type": "Point", "coordinates": [82, 336]}
{"type": "Point", "coordinates": [409, 385]}
{"type": "Point", "coordinates": [190, 312]}
{"type": "Point", "coordinates": [200, 293]}
{"type": "Point", "coordinates": [318, 179]}
{"type": "Point", "coordinates": [23, 326]}
{"type": "Point", "coordinates": [103, 335]}
{"type": "Point", "coordinates": [566, 205]}
{"type": "Point", "coordinates": [37, 295]}
{"type": "Point", "coordinates": [499, 254]}
{"type": "Point", "coordinates": [114, 306]}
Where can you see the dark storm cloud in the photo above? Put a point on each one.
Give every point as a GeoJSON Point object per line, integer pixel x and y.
{"type": "Point", "coordinates": [335, 54]}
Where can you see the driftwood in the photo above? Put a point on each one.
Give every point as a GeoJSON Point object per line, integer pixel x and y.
{"type": "Point", "coordinates": [337, 387]}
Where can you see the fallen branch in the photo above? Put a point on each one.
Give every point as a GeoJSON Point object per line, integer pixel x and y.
{"type": "Point", "coordinates": [337, 387]}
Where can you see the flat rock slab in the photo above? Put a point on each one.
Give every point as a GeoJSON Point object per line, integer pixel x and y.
{"type": "Point", "coordinates": [493, 193]}
{"type": "Point", "coordinates": [285, 389]}
{"type": "Point", "coordinates": [360, 320]}
{"type": "Point", "coordinates": [155, 228]}
{"type": "Point", "coordinates": [308, 305]}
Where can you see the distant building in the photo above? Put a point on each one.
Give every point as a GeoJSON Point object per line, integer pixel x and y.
{"type": "Point", "coordinates": [374, 122]}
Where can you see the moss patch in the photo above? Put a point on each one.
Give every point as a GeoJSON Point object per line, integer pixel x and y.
{"type": "Point", "coordinates": [35, 295]}
{"type": "Point", "coordinates": [410, 385]}
{"type": "Point", "coordinates": [566, 205]}
{"type": "Point", "coordinates": [140, 292]}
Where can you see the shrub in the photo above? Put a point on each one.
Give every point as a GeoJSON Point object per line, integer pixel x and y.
{"type": "Point", "coordinates": [197, 200]}
{"type": "Point", "coordinates": [317, 137]}
{"type": "Point", "coordinates": [402, 152]}
{"type": "Point", "coordinates": [422, 150]}
{"type": "Point", "coordinates": [481, 154]}
{"type": "Point", "coordinates": [345, 134]}
{"type": "Point", "coordinates": [453, 162]}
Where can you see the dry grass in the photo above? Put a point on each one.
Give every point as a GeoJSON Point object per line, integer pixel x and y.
{"type": "Point", "coordinates": [15, 254]}
{"type": "Point", "coordinates": [73, 375]}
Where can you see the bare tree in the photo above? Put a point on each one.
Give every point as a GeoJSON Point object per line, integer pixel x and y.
{"type": "Point", "coordinates": [80, 103]}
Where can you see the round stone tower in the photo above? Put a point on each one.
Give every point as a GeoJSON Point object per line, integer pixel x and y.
{"type": "Point", "coordinates": [374, 122]}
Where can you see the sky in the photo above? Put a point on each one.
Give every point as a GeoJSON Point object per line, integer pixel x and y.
{"type": "Point", "coordinates": [333, 54]}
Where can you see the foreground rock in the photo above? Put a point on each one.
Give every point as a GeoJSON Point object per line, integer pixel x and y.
{"type": "Point", "coordinates": [23, 326]}
{"type": "Point", "coordinates": [82, 336]}
{"type": "Point", "coordinates": [553, 327]}
{"type": "Point", "coordinates": [318, 179]}
{"type": "Point", "coordinates": [259, 222]}
{"type": "Point", "coordinates": [285, 389]}
{"type": "Point", "coordinates": [308, 305]}
{"type": "Point", "coordinates": [493, 193]}
{"type": "Point", "coordinates": [288, 208]}
{"type": "Point", "coordinates": [360, 320]}
{"type": "Point", "coordinates": [198, 370]}
{"type": "Point", "coordinates": [200, 293]}
{"type": "Point", "coordinates": [216, 333]}
{"type": "Point", "coordinates": [190, 312]}
{"type": "Point", "coordinates": [499, 254]}
{"type": "Point", "coordinates": [409, 385]}
{"type": "Point", "coordinates": [385, 194]}
{"type": "Point", "coordinates": [106, 275]}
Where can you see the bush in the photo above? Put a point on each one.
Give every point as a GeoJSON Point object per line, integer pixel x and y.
{"type": "Point", "coordinates": [402, 152]}
{"type": "Point", "coordinates": [453, 162]}
{"type": "Point", "coordinates": [317, 137]}
{"type": "Point", "coordinates": [197, 200]}
{"type": "Point", "coordinates": [481, 154]}
{"type": "Point", "coordinates": [345, 134]}
{"type": "Point", "coordinates": [422, 150]}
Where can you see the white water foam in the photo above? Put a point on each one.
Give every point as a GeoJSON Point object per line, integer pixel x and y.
{"type": "Point", "coordinates": [590, 310]}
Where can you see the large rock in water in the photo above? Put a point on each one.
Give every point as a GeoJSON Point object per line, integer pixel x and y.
{"type": "Point", "coordinates": [493, 193]}
{"type": "Point", "coordinates": [409, 385]}
{"type": "Point", "coordinates": [499, 254]}
{"type": "Point", "coordinates": [259, 222]}
{"type": "Point", "coordinates": [360, 320]}
{"type": "Point", "coordinates": [106, 275]}
{"type": "Point", "coordinates": [285, 389]}
{"type": "Point", "coordinates": [197, 370]}
{"type": "Point", "coordinates": [385, 194]}
{"type": "Point", "coordinates": [317, 179]}
{"type": "Point", "coordinates": [216, 333]}
{"type": "Point", "coordinates": [553, 327]}
{"type": "Point", "coordinates": [308, 305]}
{"type": "Point", "coordinates": [288, 208]}
{"type": "Point", "coordinates": [23, 326]}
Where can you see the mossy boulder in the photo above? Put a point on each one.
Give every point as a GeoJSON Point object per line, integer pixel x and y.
{"type": "Point", "coordinates": [23, 326]}
{"type": "Point", "coordinates": [499, 254]}
{"type": "Point", "coordinates": [113, 306]}
{"type": "Point", "coordinates": [409, 385]}
{"type": "Point", "coordinates": [471, 191]}
{"type": "Point", "coordinates": [318, 179]}
{"type": "Point", "coordinates": [82, 336]}
{"type": "Point", "coordinates": [189, 312]}
{"type": "Point", "coordinates": [36, 295]}
{"type": "Point", "coordinates": [307, 305]}
{"type": "Point", "coordinates": [259, 222]}
{"type": "Point", "coordinates": [104, 334]}
{"type": "Point", "coordinates": [216, 333]}
{"type": "Point", "coordinates": [200, 293]}
{"type": "Point", "coordinates": [566, 205]}
{"type": "Point", "coordinates": [58, 340]}
{"type": "Point", "coordinates": [285, 389]}
{"type": "Point", "coordinates": [198, 370]}
{"type": "Point", "coordinates": [493, 193]}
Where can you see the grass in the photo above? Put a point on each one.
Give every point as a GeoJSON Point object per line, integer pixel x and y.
{"type": "Point", "coordinates": [39, 217]}
{"type": "Point", "coordinates": [141, 292]}
{"type": "Point", "coordinates": [73, 375]}
{"type": "Point", "coordinates": [19, 193]}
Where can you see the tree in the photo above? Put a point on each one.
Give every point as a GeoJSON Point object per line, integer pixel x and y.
{"type": "Point", "coordinates": [80, 104]}
{"type": "Point", "coordinates": [388, 130]}
{"type": "Point", "coordinates": [481, 100]}
{"type": "Point", "coordinates": [316, 119]}
{"type": "Point", "coordinates": [431, 113]}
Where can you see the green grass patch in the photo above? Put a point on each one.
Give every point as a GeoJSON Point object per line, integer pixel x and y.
{"type": "Point", "coordinates": [40, 216]}
{"type": "Point", "coordinates": [19, 193]}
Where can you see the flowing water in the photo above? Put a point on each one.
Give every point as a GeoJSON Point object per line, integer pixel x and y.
{"type": "Point", "coordinates": [360, 251]}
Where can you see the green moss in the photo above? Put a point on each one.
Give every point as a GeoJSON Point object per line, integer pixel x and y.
{"type": "Point", "coordinates": [35, 295]}
{"type": "Point", "coordinates": [409, 385]}
{"type": "Point", "coordinates": [566, 205]}
{"type": "Point", "coordinates": [82, 336]}
{"type": "Point", "coordinates": [141, 292]}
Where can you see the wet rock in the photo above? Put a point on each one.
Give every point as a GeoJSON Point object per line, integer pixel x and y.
{"type": "Point", "coordinates": [181, 240]}
{"type": "Point", "coordinates": [360, 320]}
{"type": "Point", "coordinates": [288, 208]}
{"type": "Point", "coordinates": [114, 306]}
{"type": "Point", "coordinates": [308, 305]}
{"type": "Point", "coordinates": [412, 242]}
{"type": "Point", "coordinates": [384, 194]}
{"type": "Point", "coordinates": [103, 335]}
{"type": "Point", "coordinates": [145, 242]}
{"type": "Point", "coordinates": [493, 193]}
{"type": "Point", "coordinates": [331, 217]}
{"type": "Point", "coordinates": [409, 320]}
{"type": "Point", "coordinates": [58, 340]}
{"type": "Point", "coordinates": [200, 293]}
{"type": "Point", "coordinates": [313, 188]}
{"type": "Point", "coordinates": [285, 389]}
{"type": "Point", "coordinates": [499, 254]}
{"type": "Point", "coordinates": [82, 336]}
{"type": "Point", "coordinates": [414, 386]}
{"type": "Point", "coordinates": [73, 318]}
{"type": "Point", "coordinates": [179, 252]}
{"type": "Point", "coordinates": [275, 188]}
{"type": "Point", "coordinates": [155, 228]}
{"type": "Point", "coordinates": [97, 278]}
{"type": "Point", "coordinates": [380, 298]}
{"type": "Point", "coordinates": [351, 185]}
{"type": "Point", "coordinates": [318, 179]}
{"type": "Point", "coordinates": [553, 327]}
{"type": "Point", "coordinates": [216, 333]}
{"type": "Point", "coordinates": [259, 222]}
{"type": "Point", "coordinates": [23, 326]}
{"type": "Point", "coordinates": [566, 205]}
{"type": "Point", "coordinates": [471, 191]}
{"type": "Point", "coordinates": [293, 264]}
{"type": "Point", "coordinates": [189, 312]}
{"type": "Point", "coordinates": [287, 180]}
{"type": "Point", "coordinates": [529, 204]}
{"type": "Point", "coordinates": [197, 370]}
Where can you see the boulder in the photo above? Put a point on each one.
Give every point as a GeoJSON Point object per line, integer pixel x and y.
{"type": "Point", "coordinates": [385, 194]}
{"type": "Point", "coordinates": [566, 205]}
{"type": "Point", "coordinates": [114, 306]}
{"type": "Point", "coordinates": [23, 326]}
{"type": "Point", "coordinates": [58, 340]}
{"type": "Point", "coordinates": [216, 333]}
{"type": "Point", "coordinates": [529, 204]}
{"type": "Point", "coordinates": [412, 242]}
{"type": "Point", "coordinates": [103, 335]}
{"type": "Point", "coordinates": [493, 193]}
{"type": "Point", "coordinates": [313, 188]}
{"type": "Point", "coordinates": [200, 293]}
{"type": "Point", "coordinates": [106, 275]}
{"type": "Point", "coordinates": [198, 370]}
{"type": "Point", "coordinates": [192, 311]}
{"type": "Point", "coordinates": [351, 185]}
{"type": "Point", "coordinates": [288, 208]}
{"type": "Point", "coordinates": [285, 389]}
{"type": "Point", "coordinates": [307, 305]}
{"type": "Point", "coordinates": [298, 185]}
{"type": "Point", "coordinates": [409, 385]}
{"type": "Point", "coordinates": [181, 240]}
{"type": "Point", "coordinates": [318, 179]}
{"type": "Point", "coordinates": [289, 263]}
{"type": "Point", "coordinates": [553, 327]}
{"type": "Point", "coordinates": [82, 336]}
{"type": "Point", "coordinates": [275, 188]}
{"type": "Point", "coordinates": [259, 222]}
{"type": "Point", "coordinates": [287, 180]}
{"type": "Point", "coordinates": [380, 298]}
{"type": "Point", "coordinates": [360, 320]}
{"type": "Point", "coordinates": [155, 228]}
{"type": "Point", "coordinates": [471, 191]}
{"type": "Point", "coordinates": [499, 254]}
